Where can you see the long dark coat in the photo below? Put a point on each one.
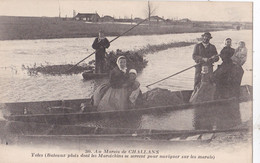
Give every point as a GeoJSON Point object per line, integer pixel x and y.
{"type": "Point", "coordinates": [223, 75]}
{"type": "Point", "coordinates": [117, 78]}
{"type": "Point", "coordinates": [100, 47]}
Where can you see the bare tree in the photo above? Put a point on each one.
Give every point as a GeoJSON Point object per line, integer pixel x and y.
{"type": "Point", "coordinates": [150, 10]}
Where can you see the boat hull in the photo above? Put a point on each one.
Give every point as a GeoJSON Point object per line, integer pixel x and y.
{"type": "Point", "coordinates": [69, 112]}
{"type": "Point", "coordinates": [14, 131]}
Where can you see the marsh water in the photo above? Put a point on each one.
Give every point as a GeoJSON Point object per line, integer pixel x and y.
{"type": "Point", "coordinates": [17, 86]}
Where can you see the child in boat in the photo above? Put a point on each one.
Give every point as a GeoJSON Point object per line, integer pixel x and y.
{"type": "Point", "coordinates": [240, 56]}
{"type": "Point", "coordinates": [134, 90]}
{"type": "Point", "coordinates": [205, 90]}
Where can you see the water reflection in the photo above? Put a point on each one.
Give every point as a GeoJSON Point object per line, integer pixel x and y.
{"type": "Point", "coordinates": [174, 120]}
{"type": "Point", "coordinates": [221, 116]}
{"type": "Point", "coordinates": [113, 120]}
{"type": "Point", "coordinates": [214, 117]}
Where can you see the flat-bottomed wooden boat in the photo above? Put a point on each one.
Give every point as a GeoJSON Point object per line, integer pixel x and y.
{"type": "Point", "coordinates": [69, 111]}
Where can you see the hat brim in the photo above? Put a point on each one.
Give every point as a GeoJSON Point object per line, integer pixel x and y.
{"type": "Point", "coordinates": [207, 35]}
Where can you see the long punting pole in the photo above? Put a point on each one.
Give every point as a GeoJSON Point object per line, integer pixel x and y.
{"type": "Point", "coordinates": [172, 75]}
{"type": "Point", "coordinates": [178, 73]}
{"type": "Point", "coordinates": [109, 42]}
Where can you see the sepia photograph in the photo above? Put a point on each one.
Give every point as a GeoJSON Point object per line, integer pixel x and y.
{"type": "Point", "coordinates": [126, 81]}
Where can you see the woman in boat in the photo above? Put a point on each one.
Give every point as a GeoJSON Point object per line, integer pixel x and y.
{"type": "Point", "coordinates": [238, 59]}
{"type": "Point", "coordinates": [117, 95]}
{"type": "Point", "coordinates": [222, 76]}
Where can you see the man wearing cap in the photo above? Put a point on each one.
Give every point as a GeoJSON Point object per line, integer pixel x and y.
{"type": "Point", "coordinates": [204, 53]}
{"type": "Point", "coordinates": [100, 44]}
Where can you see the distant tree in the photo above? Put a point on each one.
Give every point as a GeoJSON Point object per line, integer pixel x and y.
{"type": "Point", "coordinates": [150, 10]}
{"type": "Point", "coordinates": [74, 13]}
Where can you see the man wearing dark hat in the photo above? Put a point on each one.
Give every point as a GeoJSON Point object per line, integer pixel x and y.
{"type": "Point", "coordinates": [204, 53]}
{"type": "Point", "coordinates": [100, 44]}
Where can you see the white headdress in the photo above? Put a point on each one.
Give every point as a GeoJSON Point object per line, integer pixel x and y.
{"type": "Point", "coordinates": [133, 71]}
{"type": "Point", "coordinates": [117, 62]}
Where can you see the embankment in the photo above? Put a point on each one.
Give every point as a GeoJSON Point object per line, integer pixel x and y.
{"type": "Point", "coordinates": [17, 28]}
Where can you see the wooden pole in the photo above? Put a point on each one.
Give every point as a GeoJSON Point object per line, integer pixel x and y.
{"type": "Point", "coordinates": [172, 75]}
{"type": "Point", "coordinates": [179, 72]}
{"type": "Point", "coordinates": [109, 42]}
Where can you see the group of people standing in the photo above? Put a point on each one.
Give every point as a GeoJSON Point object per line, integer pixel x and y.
{"type": "Point", "coordinates": [225, 81]}
{"type": "Point", "coordinates": [122, 91]}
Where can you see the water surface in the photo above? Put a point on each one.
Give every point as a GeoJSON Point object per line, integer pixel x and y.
{"type": "Point", "coordinates": [16, 85]}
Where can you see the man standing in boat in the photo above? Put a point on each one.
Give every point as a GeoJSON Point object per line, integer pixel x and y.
{"type": "Point", "coordinates": [100, 44]}
{"type": "Point", "coordinates": [206, 54]}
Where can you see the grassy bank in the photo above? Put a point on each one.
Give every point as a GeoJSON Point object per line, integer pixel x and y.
{"type": "Point", "coordinates": [135, 59]}
{"type": "Point", "coordinates": [15, 28]}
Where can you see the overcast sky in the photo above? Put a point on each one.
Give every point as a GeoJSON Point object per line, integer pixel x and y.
{"type": "Point", "coordinates": [209, 11]}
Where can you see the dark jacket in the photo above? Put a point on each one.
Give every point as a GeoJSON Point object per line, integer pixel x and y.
{"type": "Point", "coordinates": [100, 47]}
{"type": "Point", "coordinates": [226, 54]}
{"type": "Point", "coordinates": [117, 78]}
{"type": "Point", "coordinates": [201, 52]}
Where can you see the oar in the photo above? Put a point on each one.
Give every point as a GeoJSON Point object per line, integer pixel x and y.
{"type": "Point", "coordinates": [178, 72]}
{"type": "Point", "coordinates": [109, 42]}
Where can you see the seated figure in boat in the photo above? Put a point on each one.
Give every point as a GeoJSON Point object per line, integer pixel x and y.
{"type": "Point", "coordinates": [238, 59]}
{"type": "Point", "coordinates": [118, 90]}
{"type": "Point", "coordinates": [222, 76]}
{"type": "Point", "coordinates": [135, 94]}
{"type": "Point", "coordinates": [205, 90]}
